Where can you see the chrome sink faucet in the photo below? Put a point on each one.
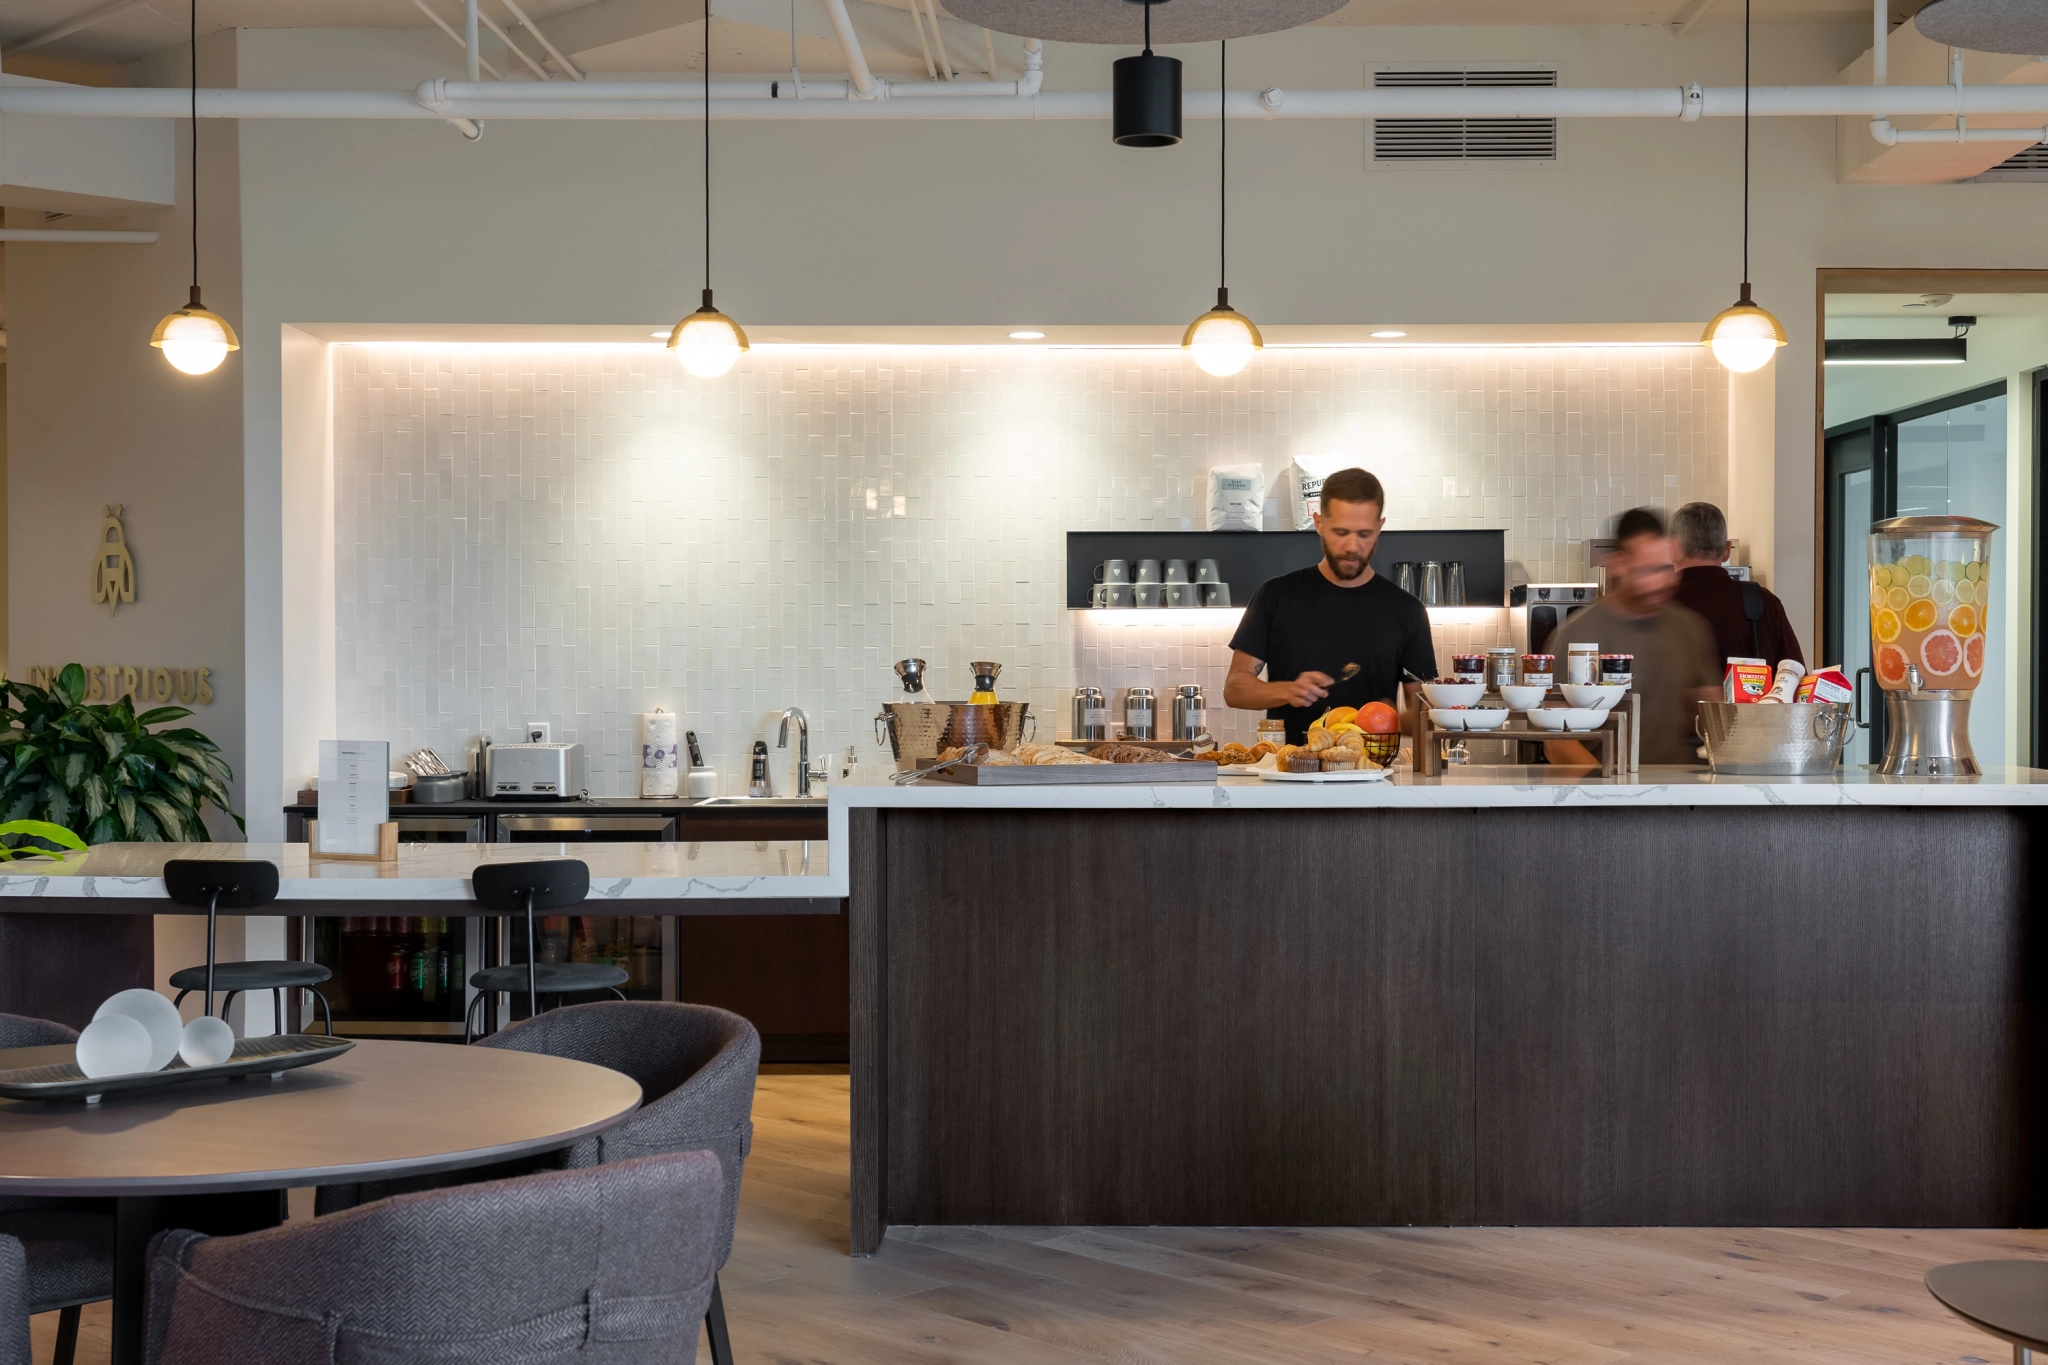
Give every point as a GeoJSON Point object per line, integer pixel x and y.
{"type": "Point", "coordinates": [805, 774]}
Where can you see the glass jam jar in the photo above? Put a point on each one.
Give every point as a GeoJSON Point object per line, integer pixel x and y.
{"type": "Point", "coordinates": [1470, 668]}
{"type": "Point", "coordinates": [1538, 670]}
{"type": "Point", "coordinates": [1617, 669]}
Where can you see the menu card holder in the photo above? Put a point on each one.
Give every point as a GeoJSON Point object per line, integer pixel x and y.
{"type": "Point", "coordinates": [355, 803]}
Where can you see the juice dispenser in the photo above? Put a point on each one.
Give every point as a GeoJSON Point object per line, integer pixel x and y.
{"type": "Point", "coordinates": [1930, 611]}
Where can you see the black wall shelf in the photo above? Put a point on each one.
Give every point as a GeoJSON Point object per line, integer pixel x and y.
{"type": "Point", "coordinates": [1248, 558]}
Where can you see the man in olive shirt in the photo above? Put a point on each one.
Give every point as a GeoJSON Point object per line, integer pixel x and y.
{"type": "Point", "coordinates": [1674, 648]}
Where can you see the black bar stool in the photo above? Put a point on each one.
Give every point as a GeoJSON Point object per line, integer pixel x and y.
{"type": "Point", "coordinates": [533, 888]}
{"type": "Point", "coordinates": [237, 884]}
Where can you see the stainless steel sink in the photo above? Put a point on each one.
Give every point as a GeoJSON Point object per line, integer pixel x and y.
{"type": "Point", "coordinates": [767, 802]}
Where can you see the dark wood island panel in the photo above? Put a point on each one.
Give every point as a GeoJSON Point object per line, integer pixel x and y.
{"type": "Point", "coordinates": [1651, 1016]}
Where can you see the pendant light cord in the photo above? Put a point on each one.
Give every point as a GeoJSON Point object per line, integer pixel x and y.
{"type": "Point", "coordinates": [1223, 170]}
{"type": "Point", "coordinates": [1148, 28]}
{"type": "Point", "coordinates": [707, 153]}
{"type": "Point", "coordinates": [195, 150]}
{"type": "Point", "coordinates": [1745, 147]}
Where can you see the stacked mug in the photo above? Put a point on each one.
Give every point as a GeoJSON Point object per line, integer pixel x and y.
{"type": "Point", "coordinates": [1159, 583]}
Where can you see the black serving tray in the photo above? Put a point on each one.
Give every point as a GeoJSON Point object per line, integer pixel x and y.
{"type": "Point", "coordinates": [251, 1057]}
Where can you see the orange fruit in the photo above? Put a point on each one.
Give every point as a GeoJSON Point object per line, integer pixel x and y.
{"type": "Point", "coordinates": [1941, 654]}
{"type": "Point", "coordinates": [1884, 624]}
{"type": "Point", "coordinates": [1378, 718]}
{"type": "Point", "coordinates": [1891, 666]}
{"type": "Point", "coordinates": [1920, 614]}
{"type": "Point", "coordinates": [1973, 655]}
{"type": "Point", "coordinates": [1962, 619]}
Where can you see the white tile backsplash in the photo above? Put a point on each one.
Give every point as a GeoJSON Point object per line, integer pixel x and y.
{"type": "Point", "coordinates": [578, 534]}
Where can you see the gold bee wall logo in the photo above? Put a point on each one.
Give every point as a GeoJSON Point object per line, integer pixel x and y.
{"type": "Point", "coordinates": [113, 568]}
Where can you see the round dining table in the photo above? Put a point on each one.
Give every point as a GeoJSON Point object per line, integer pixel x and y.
{"type": "Point", "coordinates": [217, 1156]}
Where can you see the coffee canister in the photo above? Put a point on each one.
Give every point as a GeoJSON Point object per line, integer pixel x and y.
{"type": "Point", "coordinates": [1140, 715]}
{"type": "Point", "coordinates": [1190, 712]}
{"type": "Point", "coordinates": [1091, 714]}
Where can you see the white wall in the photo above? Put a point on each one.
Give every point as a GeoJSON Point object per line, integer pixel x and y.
{"type": "Point", "coordinates": [578, 534]}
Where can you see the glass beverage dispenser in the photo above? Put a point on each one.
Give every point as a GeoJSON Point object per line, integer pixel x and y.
{"type": "Point", "coordinates": [1930, 613]}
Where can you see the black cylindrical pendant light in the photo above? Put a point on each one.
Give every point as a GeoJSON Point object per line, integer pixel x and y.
{"type": "Point", "coordinates": [1147, 103]}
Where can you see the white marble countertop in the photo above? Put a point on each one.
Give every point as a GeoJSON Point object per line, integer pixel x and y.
{"type": "Point", "coordinates": [620, 873]}
{"type": "Point", "coordinates": [1471, 787]}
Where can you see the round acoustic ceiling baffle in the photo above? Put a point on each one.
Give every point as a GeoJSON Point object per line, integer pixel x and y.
{"type": "Point", "coordinates": [1147, 100]}
{"type": "Point", "coordinates": [2009, 26]}
{"type": "Point", "coordinates": [1110, 21]}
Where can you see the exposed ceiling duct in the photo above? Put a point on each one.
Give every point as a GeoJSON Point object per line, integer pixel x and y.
{"type": "Point", "coordinates": [2016, 27]}
{"type": "Point", "coordinates": [1119, 22]}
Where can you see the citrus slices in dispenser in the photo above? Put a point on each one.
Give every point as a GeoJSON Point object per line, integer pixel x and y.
{"type": "Point", "coordinates": [1884, 624]}
{"type": "Point", "coordinates": [1897, 598]}
{"type": "Point", "coordinates": [1891, 666]}
{"type": "Point", "coordinates": [1941, 654]}
{"type": "Point", "coordinates": [1973, 655]}
{"type": "Point", "coordinates": [1919, 614]}
{"type": "Point", "coordinates": [1962, 619]}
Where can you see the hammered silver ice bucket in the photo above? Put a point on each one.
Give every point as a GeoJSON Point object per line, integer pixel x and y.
{"type": "Point", "coordinates": [915, 730]}
{"type": "Point", "coordinates": [1765, 739]}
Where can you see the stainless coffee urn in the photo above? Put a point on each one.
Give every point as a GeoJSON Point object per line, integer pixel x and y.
{"type": "Point", "coordinates": [1091, 714]}
{"type": "Point", "coordinates": [1139, 714]}
{"type": "Point", "coordinates": [1190, 713]}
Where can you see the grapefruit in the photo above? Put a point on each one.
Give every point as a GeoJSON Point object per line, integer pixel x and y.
{"type": "Point", "coordinates": [1884, 624]}
{"type": "Point", "coordinates": [1378, 718]}
{"type": "Point", "coordinates": [1891, 666]}
{"type": "Point", "coordinates": [1920, 615]}
{"type": "Point", "coordinates": [1973, 655]}
{"type": "Point", "coordinates": [1962, 619]}
{"type": "Point", "coordinates": [1941, 654]}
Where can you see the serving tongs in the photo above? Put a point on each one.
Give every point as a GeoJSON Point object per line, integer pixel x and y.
{"type": "Point", "coordinates": [973, 753]}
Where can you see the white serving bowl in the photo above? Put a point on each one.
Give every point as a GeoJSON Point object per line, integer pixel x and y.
{"type": "Point", "coordinates": [158, 1017]}
{"type": "Point", "coordinates": [1551, 719]}
{"type": "Point", "coordinates": [1583, 717]}
{"type": "Point", "coordinates": [1453, 694]}
{"type": "Point", "coordinates": [1486, 718]}
{"type": "Point", "coordinates": [1598, 696]}
{"type": "Point", "coordinates": [1449, 718]}
{"type": "Point", "coordinates": [1521, 698]}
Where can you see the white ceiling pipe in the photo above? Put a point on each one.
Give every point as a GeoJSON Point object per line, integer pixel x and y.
{"type": "Point", "coordinates": [1891, 136]}
{"type": "Point", "coordinates": [1880, 41]}
{"type": "Point", "coordinates": [472, 45]}
{"type": "Point", "coordinates": [560, 100]}
{"type": "Point", "coordinates": [1034, 77]}
{"type": "Point", "coordinates": [453, 36]}
{"type": "Point", "coordinates": [856, 60]}
{"type": "Point", "coordinates": [103, 236]}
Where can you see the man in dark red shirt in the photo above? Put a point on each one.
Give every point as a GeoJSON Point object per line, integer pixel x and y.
{"type": "Point", "coordinates": [1748, 620]}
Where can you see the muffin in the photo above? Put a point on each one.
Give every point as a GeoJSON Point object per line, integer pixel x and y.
{"type": "Point", "coordinates": [1301, 761]}
{"type": "Point", "coordinates": [1342, 759]}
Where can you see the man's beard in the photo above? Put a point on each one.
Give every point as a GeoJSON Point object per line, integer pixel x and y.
{"type": "Point", "coordinates": [1357, 565]}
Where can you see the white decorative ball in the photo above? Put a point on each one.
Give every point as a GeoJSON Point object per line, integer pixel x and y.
{"type": "Point", "coordinates": [158, 1017]}
{"type": "Point", "coordinates": [208, 1042]}
{"type": "Point", "coordinates": [114, 1046]}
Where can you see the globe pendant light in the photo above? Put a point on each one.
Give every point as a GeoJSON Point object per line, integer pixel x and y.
{"type": "Point", "coordinates": [195, 339]}
{"type": "Point", "coordinates": [707, 342]}
{"type": "Point", "coordinates": [1145, 103]}
{"type": "Point", "coordinates": [1222, 340]}
{"type": "Point", "coordinates": [1744, 337]}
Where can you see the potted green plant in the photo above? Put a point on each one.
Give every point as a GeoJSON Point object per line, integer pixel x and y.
{"type": "Point", "coordinates": [100, 772]}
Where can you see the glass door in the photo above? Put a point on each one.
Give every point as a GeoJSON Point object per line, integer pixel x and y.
{"type": "Point", "coordinates": [1855, 499]}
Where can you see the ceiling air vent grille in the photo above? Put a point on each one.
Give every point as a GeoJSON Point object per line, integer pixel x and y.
{"type": "Point", "coordinates": [2031, 164]}
{"type": "Point", "coordinates": [1421, 140]}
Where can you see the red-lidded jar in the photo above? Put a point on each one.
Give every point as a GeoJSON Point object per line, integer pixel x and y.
{"type": "Point", "coordinates": [1538, 669]}
{"type": "Point", "coordinates": [1617, 669]}
{"type": "Point", "coordinates": [1470, 668]}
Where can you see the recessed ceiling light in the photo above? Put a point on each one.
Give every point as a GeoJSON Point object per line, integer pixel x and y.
{"type": "Point", "coordinates": [1027, 336]}
{"type": "Point", "coordinates": [1389, 336]}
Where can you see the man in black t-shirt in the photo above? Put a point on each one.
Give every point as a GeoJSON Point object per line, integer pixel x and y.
{"type": "Point", "coordinates": [1307, 627]}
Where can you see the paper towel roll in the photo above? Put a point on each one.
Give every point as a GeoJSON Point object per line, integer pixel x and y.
{"type": "Point", "coordinates": [658, 744]}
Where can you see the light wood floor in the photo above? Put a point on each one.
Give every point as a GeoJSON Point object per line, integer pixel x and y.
{"type": "Point", "coordinates": [1205, 1296]}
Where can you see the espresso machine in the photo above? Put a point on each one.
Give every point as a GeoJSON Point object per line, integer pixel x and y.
{"type": "Point", "coordinates": [1930, 616]}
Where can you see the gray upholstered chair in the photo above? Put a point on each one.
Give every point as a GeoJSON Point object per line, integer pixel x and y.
{"type": "Point", "coordinates": [696, 1067]}
{"type": "Point", "coordinates": [68, 1243]}
{"type": "Point", "coordinates": [611, 1266]}
{"type": "Point", "coordinates": [13, 1303]}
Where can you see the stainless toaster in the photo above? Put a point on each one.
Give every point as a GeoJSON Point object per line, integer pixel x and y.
{"type": "Point", "coordinates": [549, 772]}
